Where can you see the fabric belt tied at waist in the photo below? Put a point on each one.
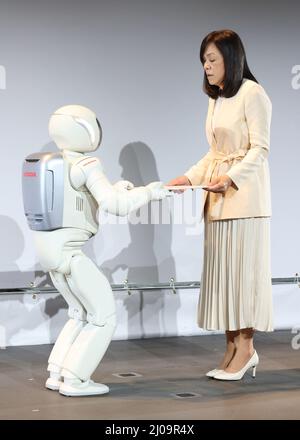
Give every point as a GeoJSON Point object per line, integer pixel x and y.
{"type": "Point", "coordinates": [219, 156]}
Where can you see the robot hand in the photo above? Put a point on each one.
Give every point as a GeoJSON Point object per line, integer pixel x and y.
{"type": "Point", "coordinates": [158, 191]}
{"type": "Point", "coordinates": [124, 185]}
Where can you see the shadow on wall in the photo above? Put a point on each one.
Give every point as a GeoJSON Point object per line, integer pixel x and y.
{"type": "Point", "coordinates": [148, 257]}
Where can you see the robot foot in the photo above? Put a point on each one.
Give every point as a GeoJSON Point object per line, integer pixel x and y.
{"type": "Point", "coordinates": [54, 381]}
{"type": "Point", "coordinates": [77, 388]}
{"type": "Point", "coordinates": [53, 384]}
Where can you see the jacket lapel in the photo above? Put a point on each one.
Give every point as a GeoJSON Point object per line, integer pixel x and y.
{"type": "Point", "coordinates": [209, 129]}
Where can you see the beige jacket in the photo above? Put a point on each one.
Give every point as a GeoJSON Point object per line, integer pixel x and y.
{"type": "Point", "coordinates": [239, 148]}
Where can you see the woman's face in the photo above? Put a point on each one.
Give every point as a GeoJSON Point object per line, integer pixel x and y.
{"type": "Point", "coordinates": [214, 65]}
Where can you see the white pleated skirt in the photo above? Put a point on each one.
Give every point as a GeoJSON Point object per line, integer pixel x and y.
{"type": "Point", "coordinates": [236, 286]}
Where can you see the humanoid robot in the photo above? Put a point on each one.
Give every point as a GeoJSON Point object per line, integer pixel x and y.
{"type": "Point", "coordinates": [62, 192]}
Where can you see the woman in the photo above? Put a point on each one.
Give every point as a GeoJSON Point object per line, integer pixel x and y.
{"type": "Point", "coordinates": [236, 288]}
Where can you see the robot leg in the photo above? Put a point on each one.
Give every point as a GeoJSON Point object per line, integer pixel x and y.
{"type": "Point", "coordinates": [69, 332]}
{"type": "Point", "coordinates": [94, 292]}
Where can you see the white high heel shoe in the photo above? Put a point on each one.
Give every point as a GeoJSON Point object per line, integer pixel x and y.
{"type": "Point", "coordinates": [213, 372]}
{"type": "Point", "coordinates": [252, 363]}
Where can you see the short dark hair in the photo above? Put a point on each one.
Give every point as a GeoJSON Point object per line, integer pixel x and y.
{"type": "Point", "coordinates": [236, 67]}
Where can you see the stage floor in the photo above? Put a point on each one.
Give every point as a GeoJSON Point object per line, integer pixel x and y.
{"type": "Point", "coordinates": [164, 368]}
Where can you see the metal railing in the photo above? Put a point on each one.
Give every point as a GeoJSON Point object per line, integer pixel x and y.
{"type": "Point", "coordinates": [129, 287]}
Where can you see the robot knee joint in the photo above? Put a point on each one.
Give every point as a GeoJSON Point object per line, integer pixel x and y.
{"type": "Point", "coordinates": [101, 322]}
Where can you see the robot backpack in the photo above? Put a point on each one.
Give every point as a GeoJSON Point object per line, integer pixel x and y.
{"type": "Point", "coordinates": [50, 201]}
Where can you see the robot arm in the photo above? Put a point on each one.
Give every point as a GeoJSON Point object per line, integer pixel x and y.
{"type": "Point", "coordinates": [123, 185]}
{"type": "Point", "coordinates": [88, 172]}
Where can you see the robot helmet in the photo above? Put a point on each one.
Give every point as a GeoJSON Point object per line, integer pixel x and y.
{"type": "Point", "coordinates": [75, 128]}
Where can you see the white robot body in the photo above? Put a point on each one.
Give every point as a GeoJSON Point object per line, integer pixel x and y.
{"type": "Point", "coordinates": [86, 336]}
{"type": "Point", "coordinates": [80, 207]}
{"type": "Point", "coordinates": [64, 190]}
{"type": "Point", "coordinates": [60, 202]}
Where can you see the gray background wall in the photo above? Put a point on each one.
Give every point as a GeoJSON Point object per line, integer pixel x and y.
{"type": "Point", "coordinates": [136, 64]}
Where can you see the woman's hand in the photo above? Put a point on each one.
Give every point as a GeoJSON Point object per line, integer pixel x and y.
{"type": "Point", "coordinates": [181, 180]}
{"type": "Point", "coordinates": [219, 185]}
